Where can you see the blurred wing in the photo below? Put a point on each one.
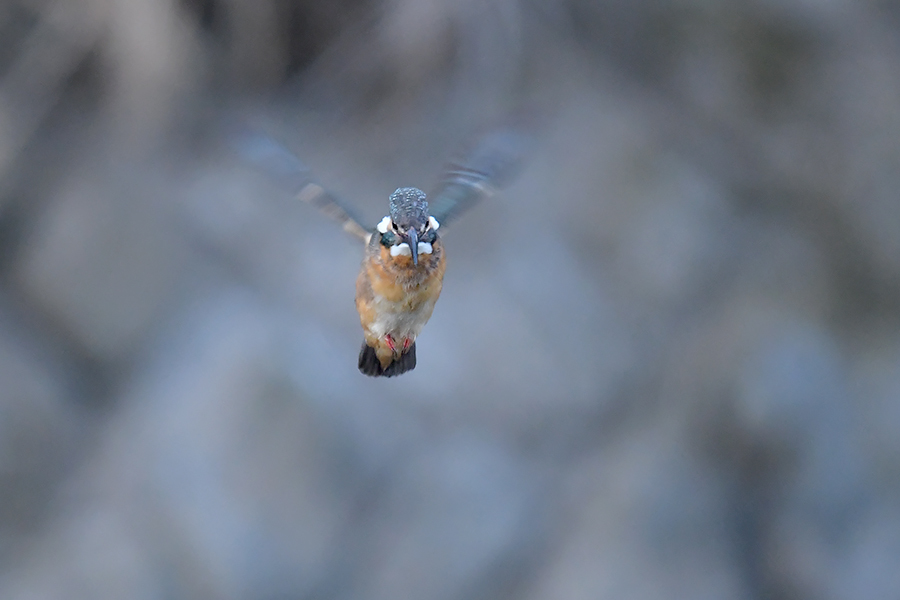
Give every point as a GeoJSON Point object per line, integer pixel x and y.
{"type": "Point", "coordinates": [273, 158]}
{"type": "Point", "coordinates": [479, 173]}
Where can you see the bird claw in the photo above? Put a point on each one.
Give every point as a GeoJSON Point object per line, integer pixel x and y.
{"type": "Point", "coordinates": [392, 344]}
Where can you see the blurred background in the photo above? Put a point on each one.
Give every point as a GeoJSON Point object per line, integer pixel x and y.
{"type": "Point", "coordinates": [665, 364]}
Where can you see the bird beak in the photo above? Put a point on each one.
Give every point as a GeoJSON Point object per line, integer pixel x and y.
{"type": "Point", "coordinates": [413, 242]}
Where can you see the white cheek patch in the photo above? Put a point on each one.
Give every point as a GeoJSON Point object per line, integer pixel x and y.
{"type": "Point", "coordinates": [433, 223]}
{"type": "Point", "coordinates": [401, 250]}
{"type": "Point", "coordinates": [425, 248]}
{"type": "Point", "coordinates": [384, 225]}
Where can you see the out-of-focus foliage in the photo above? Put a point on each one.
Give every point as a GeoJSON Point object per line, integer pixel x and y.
{"type": "Point", "coordinates": [666, 362]}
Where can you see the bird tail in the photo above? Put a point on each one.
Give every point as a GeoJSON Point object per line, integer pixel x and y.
{"type": "Point", "coordinates": [371, 366]}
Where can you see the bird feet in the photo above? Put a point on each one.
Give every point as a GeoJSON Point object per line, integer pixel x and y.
{"type": "Point", "coordinates": [392, 344]}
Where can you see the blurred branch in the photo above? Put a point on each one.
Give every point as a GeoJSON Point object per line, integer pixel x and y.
{"type": "Point", "coordinates": [64, 34]}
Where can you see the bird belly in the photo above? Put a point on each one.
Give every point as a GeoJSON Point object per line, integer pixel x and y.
{"type": "Point", "coordinates": [404, 319]}
{"type": "Point", "coordinates": [395, 301]}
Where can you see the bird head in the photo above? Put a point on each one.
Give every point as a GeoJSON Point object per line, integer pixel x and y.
{"type": "Point", "coordinates": [408, 230]}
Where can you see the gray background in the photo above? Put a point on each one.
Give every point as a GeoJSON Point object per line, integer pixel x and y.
{"type": "Point", "coordinates": [666, 362]}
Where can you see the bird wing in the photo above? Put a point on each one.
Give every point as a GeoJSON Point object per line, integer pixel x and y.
{"type": "Point", "coordinates": [480, 172]}
{"type": "Point", "coordinates": [265, 153]}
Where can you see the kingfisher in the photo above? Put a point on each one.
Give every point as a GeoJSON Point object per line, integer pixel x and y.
{"type": "Point", "coordinates": [403, 264]}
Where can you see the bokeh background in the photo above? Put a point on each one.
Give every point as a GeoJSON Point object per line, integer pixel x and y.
{"type": "Point", "coordinates": [666, 362]}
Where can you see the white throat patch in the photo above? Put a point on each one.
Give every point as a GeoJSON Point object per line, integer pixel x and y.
{"type": "Point", "coordinates": [401, 250]}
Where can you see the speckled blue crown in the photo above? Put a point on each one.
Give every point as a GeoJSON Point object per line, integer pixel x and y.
{"type": "Point", "coordinates": [408, 204]}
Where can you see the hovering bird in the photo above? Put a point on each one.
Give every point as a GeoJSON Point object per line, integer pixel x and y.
{"type": "Point", "coordinates": [403, 265]}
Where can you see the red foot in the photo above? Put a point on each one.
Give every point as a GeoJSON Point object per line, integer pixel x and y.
{"type": "Point", "coordinates": [406, 344]}
{"type": "Point", "coordinates": [390, 342]}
